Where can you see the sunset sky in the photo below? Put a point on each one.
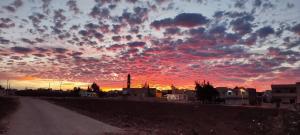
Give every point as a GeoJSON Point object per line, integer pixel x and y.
{"type": "Point", "coordinates": [250, 43]}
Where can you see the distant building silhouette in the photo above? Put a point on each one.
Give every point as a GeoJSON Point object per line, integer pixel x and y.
{"type": "Point", "coordinates": [145, 91]}
{"type": "Point", "coordinates": [128, 81]}
{"type": "Point", "coordinates": [286, 93]}
{"type": "Point", "coordinates": [238, 95]}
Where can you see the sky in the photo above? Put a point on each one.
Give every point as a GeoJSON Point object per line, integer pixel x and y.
{"type": "Point", "coordinates": [72, 43]}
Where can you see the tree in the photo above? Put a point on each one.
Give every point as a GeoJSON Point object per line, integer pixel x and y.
{"type": "Point", "coordinates": [95, 88]}
{"type": "Point", "coordinates": [76, 91]}
{"type": "Point", "coordinates": [147, 86]}
{"type": "Point", "coordinates": [205, 92]}
{"type": "Point", "coordinates": [1, 88]}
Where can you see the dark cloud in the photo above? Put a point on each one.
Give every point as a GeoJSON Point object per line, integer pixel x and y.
{"type": "Point", "coordinates": [98, 12]}
{"type": "Point", "coordinates": [136, 44]}
{"type": "Point", "coordinates": [218, 14]}
{"type": "Point", "coordinates": [290, 5]}
{"type": "Point", "coordinates": [13, 6]}
{"type": "Point", "coordinates": [240, 3]}
{"type": "Point", "coordinates": [73, 6]}
{"type": "Point", "coordinates": [22, 50]}
{"type": "Point", "coordinates": [296, 29]}
{"type": "Point", "coordinates": [172, 31]}
{"type": "Point", "coordinates": [40, 49]}
{"type": "Point", "coordinates": [39, 40]}
{"type": "Point", "coordinates": [265, 31]}
{"type": "Point", "coordinates": [60, 50]}
{"type": "Point", "coordinates": [242, 25]}
{"type": "Point", "coordinates": [98, 36]}
{"type": "Point", "coordinates": [268, 5]}
{"type": "Point", "coordinates": [116, 38]}
{"type": "Point", "coordinates": [36, 19]}
{"type": "Point", "coordinates": [219, 30]}
{"type": "Point", "coordinates": [128, 37]}
{"type": "Point", "coordinates": [182, 20]}
{"type": "Point", "coordinates": [137, 17]}
{"type": "Point", "coordinates": [4, 41]}
{"type": "Point", "coordinates": [15, 58]}
{"type": "Point", "coordinates": [9, 8]}
{"type": "Point", "coordinates": [250, 40]}
{"type": "Point", "coordinates": [25, 40]}
{"type": "Point", "coordinates": [45, 6]}
{"type": "Point", "coordinates": [197, 32]}
{"type": "Point", "coordinates": [59, 21]}
{"type": "Point", "coordinates": [91, 26]}
{"type": "Point", "coordinates": [257, 3]}
{"type": "Point", "coordinates": [39, 55]}
{"type": "Point", "coordinates": [104, 28]}
{"type": "Point", "coordinates": [17, 3]}
{"type": "Point", "coordinates": [132, 1]}
{"type": "Point", "coordinates": [6, 23]}
{"type": "Point", "coordinates": [115, 47]}
{"type": "Point", "coordinates": [116, 29]}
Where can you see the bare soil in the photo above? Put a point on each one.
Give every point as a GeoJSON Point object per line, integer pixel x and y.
{"type": "Point", "coordinates": [7, 106]}
{"type": "Point", "coordinates": [174, 118]}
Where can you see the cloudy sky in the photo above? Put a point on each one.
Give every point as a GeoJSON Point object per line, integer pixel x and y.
{"type": "Point", "coordinates": [251, 43]}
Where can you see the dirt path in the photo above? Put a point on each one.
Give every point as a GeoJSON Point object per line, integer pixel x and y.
{"type": "Point", "coordinates": [38, 117]}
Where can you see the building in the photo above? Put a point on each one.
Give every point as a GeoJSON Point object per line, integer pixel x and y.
{"type": "Point", "coordinates": [286, 93]}
{"type": "Point", "coordinates": [84, 93]}
{"type": "Point", "coordinates": [2, 92]}
{"type": "Point", "coordinates": [238, 95]}
{"type": "Point", "coordinates": [140, 92]}
{"type": "Point", "coordinates": [267, 96]}
{"type": "Point", "coordinates": [181, 95]}
{"type": "Point", "coordinates": [177, 97]}
{"type": "Point", "coordinates": [145, 91]}
{"type": "Point", "coordinates": [9, 92]}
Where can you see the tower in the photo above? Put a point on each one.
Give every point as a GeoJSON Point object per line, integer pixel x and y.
{"type": "Point", "coordinates": [128, 81]}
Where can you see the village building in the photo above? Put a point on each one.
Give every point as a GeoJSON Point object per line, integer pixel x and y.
{"type": "Point", "coordinates": [238, 96]}
{"type": "Point", "coordinates": [181, 95]}
{"type": "Point", "coordinates": [145, 91]}
{"type": "Point", "coordinates": [286, 93]}
{"type": "Point", "coordinates": [84, 93]}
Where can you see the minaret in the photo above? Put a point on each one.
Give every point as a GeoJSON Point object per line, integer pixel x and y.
{"type": "Point", "coordinates": [128, 81]}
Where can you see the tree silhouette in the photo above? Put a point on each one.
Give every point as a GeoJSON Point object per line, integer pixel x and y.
{"type": "Point", "coordinates": [147, 86]}
{"type": "Point", "coordinates": [76, 91]}
{"type": "Point", "coordinates": [205, 92]}
{"type": "Point", "coordinates": [1, 88]}
{"type": "Point", "coordinates": [95, 88]}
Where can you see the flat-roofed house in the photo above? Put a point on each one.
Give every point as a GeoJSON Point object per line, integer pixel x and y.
{"type": "Point", "coordinates": [286, 93]}
{"type": "Point", "coordinates": [238, 96]}
{"type": "Point", "coordinates": [140, 92]}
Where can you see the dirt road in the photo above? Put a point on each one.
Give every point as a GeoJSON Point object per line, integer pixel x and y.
{"type": "Point", "coordinates": [39, 117]}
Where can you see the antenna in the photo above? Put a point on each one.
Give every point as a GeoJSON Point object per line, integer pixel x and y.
{"type": "Point", "coordinates": [60, 85]}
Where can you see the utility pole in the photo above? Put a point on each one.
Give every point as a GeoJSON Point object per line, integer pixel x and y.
{"type": "Point", "coordinates": [60, 85]}
{"type": "Point", "coordinates": [7, 84]}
